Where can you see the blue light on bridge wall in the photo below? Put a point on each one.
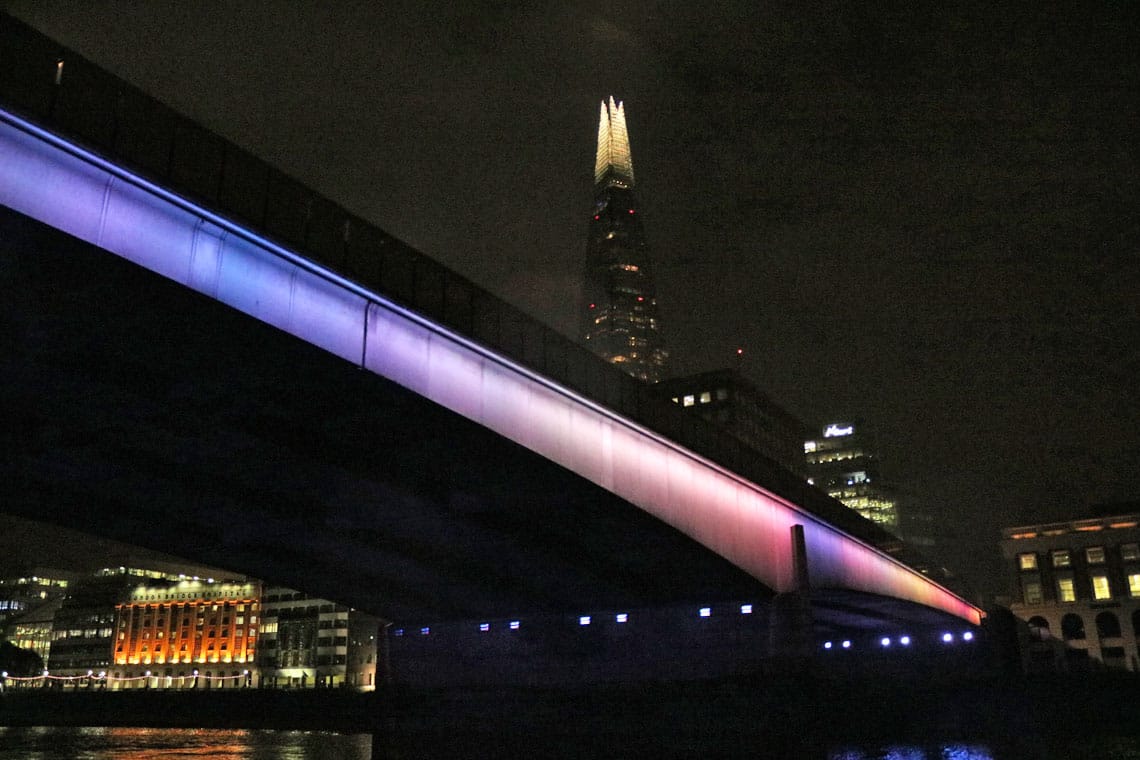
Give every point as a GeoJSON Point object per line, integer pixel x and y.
{"type": "Point", "coordinates": [90, 197]}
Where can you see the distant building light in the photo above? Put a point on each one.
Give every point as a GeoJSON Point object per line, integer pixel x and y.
{"type": "Point", "coordinates": [584, 620]}
{"type": "Point", "coordinates": [835, 430]}
{"type": "Point", "coordinates": [622, 617]}
{"type": "Point", "coordinates": [746, 609]}
{"type": "Point", "coordinates": [631, 211]}
{"type": "Point", "coordinates": [885, 641]}
{"type": "Point", "coordinates": [968, 636]}
{"type": "Point", "coordinates": [706, 611]}
{"type": "Point", "coordinates": [484, 626]}
{"type": "Point", "coordinates": [904, 640]}
{"type": "Point", "coordinates": [846, 644]}
{"type": "Point", "coordinates": [827, 645]}
{"type": "Point", "coordinates": [947, 638]}
{"type": "Point", "coordinates": [809, 446]}
{"type": "Point", "coordinates": [514, 625]}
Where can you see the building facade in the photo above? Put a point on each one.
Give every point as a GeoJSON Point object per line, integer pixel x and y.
{"type": "Point", "coordinates": [842, 463]}
{"type": "Point", "coordinates": [25, 591]}
{"type": "Point", "coordinates": [734, 404]}
{"type": "Point", "coordinates": [1076, 585]}
{"type": "Point", "coordinates": [314, 643]}
{"type": "Point", "coordinates": [620, 315]}
{"type": "Point", "coordinates": [189, 633]}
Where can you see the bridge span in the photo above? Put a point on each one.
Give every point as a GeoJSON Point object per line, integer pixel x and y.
{"type": "Point", "coordinates": [90, 156]}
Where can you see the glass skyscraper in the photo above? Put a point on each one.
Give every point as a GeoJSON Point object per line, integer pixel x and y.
{"type": "Point", "coordinates": [620, 320]}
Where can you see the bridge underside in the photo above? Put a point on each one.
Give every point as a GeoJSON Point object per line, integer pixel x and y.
{"type": "Point", "coordinates": [141, 411]}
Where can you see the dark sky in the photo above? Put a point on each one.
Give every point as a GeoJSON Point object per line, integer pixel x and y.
{"type": "Point", "coordinates": [923, 216]}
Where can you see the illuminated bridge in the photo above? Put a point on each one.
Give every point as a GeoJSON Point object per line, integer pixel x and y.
{"type": "Point", "coordinates": [425, 451]}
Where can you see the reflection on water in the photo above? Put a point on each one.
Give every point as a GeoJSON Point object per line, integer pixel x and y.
{"type": "Point", "coordinates": [1090, 747]}
{"type": "Point", "coordinates": [152, 743]}
{"type": "Point", "coordinates": [907, 752]}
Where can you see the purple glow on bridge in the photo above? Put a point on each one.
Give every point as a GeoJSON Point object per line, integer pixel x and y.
{"type": "Point", "coordinates": [75, 191]}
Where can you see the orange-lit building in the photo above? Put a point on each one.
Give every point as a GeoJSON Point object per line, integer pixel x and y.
{"type": "Point", "coordinates": [187, 634]}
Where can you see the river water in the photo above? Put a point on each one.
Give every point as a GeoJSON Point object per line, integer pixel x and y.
{"type": "Point", "coordinates": [167, 743]}
{"type": "Point", "coordinates": [240, 744]}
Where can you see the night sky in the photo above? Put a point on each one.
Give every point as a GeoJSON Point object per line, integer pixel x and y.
{"type": "Point", "coordinates": [923, 217]}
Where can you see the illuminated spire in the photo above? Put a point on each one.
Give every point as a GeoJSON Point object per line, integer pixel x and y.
{"type": "Point", "coordinates": [614, 165]}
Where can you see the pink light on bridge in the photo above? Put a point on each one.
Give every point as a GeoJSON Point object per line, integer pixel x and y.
{"type": "Point", "coordinates": [84, 195]}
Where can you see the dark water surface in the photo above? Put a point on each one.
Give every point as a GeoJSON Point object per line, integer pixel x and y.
{"type": "Point", "coordinates": [150, 743]}
{"type": "Point", "coordinates": [240, 744]}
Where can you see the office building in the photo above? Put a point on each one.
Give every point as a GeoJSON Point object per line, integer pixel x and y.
{"type": "Point", "coordinates": [27, 590]}
{"type": "Point", "coordinates": [1076, 584]}
{"type": "Point", "coordinates": [841, 462]}
{"type": "Point", "coordinates": [621, 323]}
{"type": "Point", "coordinates": [314, 643]}
{"type": "Point", "coordinates": [734, 404]}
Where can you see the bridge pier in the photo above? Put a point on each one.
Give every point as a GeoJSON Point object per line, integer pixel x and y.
{"type": "Point", "coordinates": [790, 622]}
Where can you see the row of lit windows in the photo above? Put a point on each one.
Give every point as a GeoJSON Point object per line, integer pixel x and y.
{"type": "Point", "coordinates": [835, 456]}
{"type": "Point", "coordinates": [1066, 589]}
{"type": "Point", "coordinates": [34, 580]}
{"type": "Point", "coordinates": [704, 397]}
{"type": "Point", "coordinates": [1094, 555]}
{"type": "Point", "coordinates": [238, 632]}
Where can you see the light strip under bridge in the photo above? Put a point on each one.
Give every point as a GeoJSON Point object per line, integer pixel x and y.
{"type": "Point", "coordinates": [76, 191]}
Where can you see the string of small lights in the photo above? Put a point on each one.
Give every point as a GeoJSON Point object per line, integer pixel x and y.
{"type": "Point", "coordinates": [103, 677]}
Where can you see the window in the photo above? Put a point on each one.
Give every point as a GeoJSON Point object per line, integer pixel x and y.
{"type": "Point", "coordinates": [1061, 558]}
{"type": "Point", "coordinates": [1134, 585]}
{"type": "Point", "coordinates": [1095, 555]}
{"type": "Point", "coordinates": [1027, 561]}
{"type": "Point", "coordinates": [1100, 587]}
{"type": "Point", "coordinates": [1032, 592]}
{"type": "Point", "coordinates": [1130, 552]}
{"type": "Point", "coordinates": [1065, 590]}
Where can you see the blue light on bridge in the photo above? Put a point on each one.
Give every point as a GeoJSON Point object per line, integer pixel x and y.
{"type": "Point", "coordinates": [514, 625]}
{"type": "Point", "coordinates": [484, 627]}
{"type": "Point", "coordinates": [706, 611]}
{"type": "Point", "coordinates": [584, 620]}
{"type": "Point", "coordinates": [947, 638]}
{"type": "Point", "coordinates": [968, 636]}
